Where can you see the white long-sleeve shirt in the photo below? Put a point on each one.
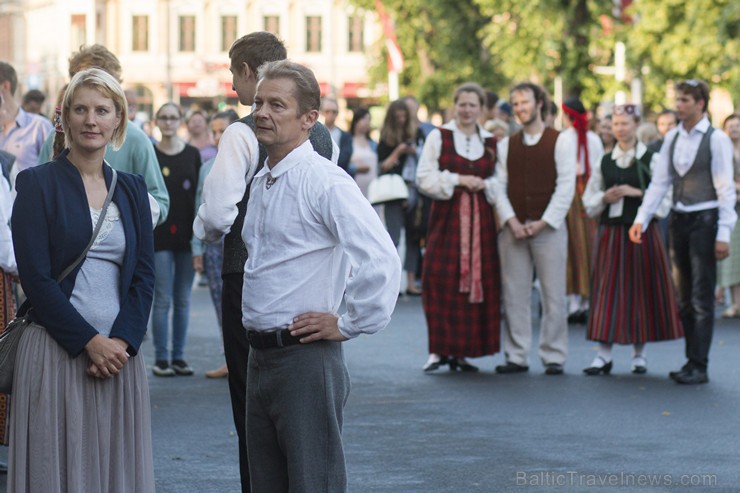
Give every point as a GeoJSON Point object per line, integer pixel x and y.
{"type": "Point", "coordinates": [7, 255]}
{"type": "Point", "coordinates": [313, 238]}
{"type": "Point", "coordinates": [565, 183]}
{"type": "Point", "coordinates": [684, 155]}
{"type": "Point", "coordinates": [593, 196]}
{"type": "Point", "coordinates": [224, 187]}
{"type": "Point", "coordinates": [440, 184]}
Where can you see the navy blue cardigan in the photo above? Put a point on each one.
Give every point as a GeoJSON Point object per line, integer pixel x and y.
{"type": "Point", "coordinates": [51, 226]}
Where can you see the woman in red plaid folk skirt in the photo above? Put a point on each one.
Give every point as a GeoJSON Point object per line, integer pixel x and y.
{"type": "Point", "coordinates": [461, 280]}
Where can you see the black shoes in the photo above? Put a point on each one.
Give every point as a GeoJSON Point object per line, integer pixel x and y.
{"type": "Point", "coordinates": [579, 317]}
{"type": "Point", "coordinates": [461, 365]}
{"type": "Point", "coordinates": [606, 368]}
{"type": "Point", "coordinates": [510, 367]}
{"type": "Point", "coordinates": [180, 367]}
{"type": "Point", "coordinates": [553, 369]}
{"type": "Point", "coordinates": [435, 365]}
{"type": "Point", "coordinates": [689, 376]}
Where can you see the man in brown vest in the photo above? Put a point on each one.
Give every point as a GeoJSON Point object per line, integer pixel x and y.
{"type": "Point", "coordinates": [536, 182]}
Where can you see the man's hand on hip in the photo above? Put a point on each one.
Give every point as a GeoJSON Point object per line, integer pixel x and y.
{"type": "Point", "coordinates": [316, 326]}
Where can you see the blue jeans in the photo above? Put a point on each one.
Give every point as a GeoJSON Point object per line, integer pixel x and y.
{"type": "Point", "coordinates": [174, 281]}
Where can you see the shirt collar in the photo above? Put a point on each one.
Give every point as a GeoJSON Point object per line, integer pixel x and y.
{"type": "Point", "coordinates": [701, 127]}
{"type": "Point", "coordinates": [22, 118]}
{"type": "Point", "coordinates": [637, 151]}
{"type": "Point", "coordinates": [452, 125]}
{"type": "Point", "coordinates": [293, 159]}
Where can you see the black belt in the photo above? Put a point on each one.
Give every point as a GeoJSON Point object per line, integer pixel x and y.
{"type": "Point", "coordinates": [276, 338]}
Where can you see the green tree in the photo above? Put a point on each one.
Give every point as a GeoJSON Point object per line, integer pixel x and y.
{"type": "Point", "coordinates": [675, 39]}
{"type": "Point", "coordinates": [443, 46]}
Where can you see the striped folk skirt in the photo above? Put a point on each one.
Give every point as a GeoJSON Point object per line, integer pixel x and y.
{"type": "Point", "coordinates": [633, 298]}
{"type": "Point", "coordinates": [581, 234]}
{"type": "Point", "coordinates": [7, 312]}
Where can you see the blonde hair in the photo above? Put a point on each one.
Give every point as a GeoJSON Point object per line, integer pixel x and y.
{"type": "Point", "coordinates": [108, 86]}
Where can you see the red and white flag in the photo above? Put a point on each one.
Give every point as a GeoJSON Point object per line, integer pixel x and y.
{"type": "Point", "coordinates": [395, 57]}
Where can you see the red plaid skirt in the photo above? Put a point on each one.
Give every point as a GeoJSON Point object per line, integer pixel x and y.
{"type": "Point", "coordinates": [456, 326]}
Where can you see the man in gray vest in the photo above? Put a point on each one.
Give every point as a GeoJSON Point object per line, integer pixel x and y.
{"type": "Point", "coordinates": [696, 160]}
{"type": "Point", "coordinates": [225, 196]}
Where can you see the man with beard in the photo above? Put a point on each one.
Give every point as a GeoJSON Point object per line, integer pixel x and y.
{"type": "Point", "coordinates": [537, 170]}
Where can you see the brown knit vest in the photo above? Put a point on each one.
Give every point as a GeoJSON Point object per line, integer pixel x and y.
{"type": "Point", "coordinates": [532, 175]}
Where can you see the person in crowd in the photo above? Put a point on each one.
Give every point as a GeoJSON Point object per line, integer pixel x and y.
{"type": "Point", "coordinates": [22, 134]}
{"type": "Point", "coordinates": [180, 164]}
{"type": "Point", "coordinates": [605, 134]}
{"type": "Point", "coordinates": [536, 181]}
{"type": "Point", "coordinates": [461, 280]}
{"type": "Point", "coordinates": [504, 113]}
{"type": "Point", "coordinates": [633, 295]}
{"type": "Point", "coordinates": [132, 99]}
{"type": "Point", "coordinates": [666, 121]}
{"type": "Point", "coordinates": [581, 228]}
{"type": "Point", "coordinates": [499, 129]}
{"type": "Point", "coordinates": [311, 238]}
{"type": "Point", "coordinates": [697, 160]}
{"type": "Point", "coordinates": [647, 133]}
{"type": "Point", "coordinates": [136, 154]}
{"type": "Point", "coordinates": [364, 159]}
{"type": "Point", "coordinates": [33, 101]}
{"type": "Point", "coordinates": [8, 274]}
{"type": "Point", "coordinates": [330, 111]}
{"type": "Point", "coordinates": [199, 134]}
{"type": "Point", "coordinates": [488, 112]}
{"type": "Point", "coordinates": [208, 258]}
{"type": "Point", "coordinates": [728, 270]}
{"type": "Point", "coordinates": [400, 141]}
{"type": "Point", "coordinates": [552, 114]}
{"type": "Point", "coordinates": [225, 196]}
{"type": "Point", "coordinates": [80, 410]}
{"type": "Point", "coordinates": [413, 105]}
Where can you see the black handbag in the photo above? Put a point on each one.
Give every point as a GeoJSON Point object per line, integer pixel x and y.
{"type": "Point", "coordinates": [11, 336]}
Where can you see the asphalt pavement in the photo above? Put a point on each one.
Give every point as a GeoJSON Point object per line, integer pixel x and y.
{"type": "Point", "coordinates": [406, 431]}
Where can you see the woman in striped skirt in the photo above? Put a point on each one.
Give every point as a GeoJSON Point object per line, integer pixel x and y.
{"type": "Point", "coordinates": [633, 300]}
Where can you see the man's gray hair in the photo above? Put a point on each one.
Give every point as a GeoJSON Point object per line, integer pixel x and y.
{"type": "Point", "coordinates": [307, 91]}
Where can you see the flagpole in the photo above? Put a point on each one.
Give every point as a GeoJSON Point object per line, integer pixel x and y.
{"type": "Point", "coordinates": [393, 92]}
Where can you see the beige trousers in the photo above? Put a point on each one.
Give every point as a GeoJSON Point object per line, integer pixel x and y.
{"type": "Point", "coordinates": [546, 254]}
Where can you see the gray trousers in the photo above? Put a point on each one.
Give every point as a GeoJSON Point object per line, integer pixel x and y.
{"type": "Point", "coordinates": [547, 254]}
{"type": "Point", "coordinates": [295, 402]}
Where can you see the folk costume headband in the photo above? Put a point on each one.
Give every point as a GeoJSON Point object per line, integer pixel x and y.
{"type": "Point", "coordinates": [575, 109]}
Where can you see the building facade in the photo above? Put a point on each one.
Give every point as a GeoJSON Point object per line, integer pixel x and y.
{"type": "Point", "coordinates": [178, 50]}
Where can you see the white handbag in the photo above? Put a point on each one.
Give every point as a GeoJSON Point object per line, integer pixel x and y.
{"type": "Point", "coordinates": [386, 188]}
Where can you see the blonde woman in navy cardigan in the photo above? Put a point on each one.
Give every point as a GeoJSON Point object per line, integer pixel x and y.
{"type": "Point", "coordinates": [80, 413]}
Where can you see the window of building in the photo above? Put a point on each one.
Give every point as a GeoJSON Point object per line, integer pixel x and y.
{"type": "Point", "coordinates": [187, 33]}
{"type": "Point", "coordinates": [140, 33]}
{"type": "Point", "coordinates": [313, 33]}
{"type": "Point", "coordinates": [228, 31]}
{"type": "Point", "coordinates": [78, 31]}
{"type": "Point", "coordinates": [356, 38]}
{"type": "Point", "coordinates": [272, 24]}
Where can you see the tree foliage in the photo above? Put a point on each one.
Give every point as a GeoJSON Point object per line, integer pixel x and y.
{"type": "Point", "coordinates": [500, 42]}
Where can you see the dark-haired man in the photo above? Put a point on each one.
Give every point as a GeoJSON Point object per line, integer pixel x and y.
{"type": "Point", "coordinates": [225, 197]}
{"type": "Point", "coordinates": [22, 134]}
{"type": "Point", "coordinates": [536, 182]}
{"type": "Point", "coordinates": [696, 159]}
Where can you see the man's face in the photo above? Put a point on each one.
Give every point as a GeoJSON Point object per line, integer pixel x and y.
{"type": "Point", "coordinates": [526, 109]}
{"type": "Point", "coordinates": [244, 83]}
{"type": "Point", "coordinates": [665, 123]}
{"type": "Point", "coordinates": [688, 108]}
{"type": "Point", "coordinates": [279, 126]}
{"type": "Point", "coordinates": [330, 110]}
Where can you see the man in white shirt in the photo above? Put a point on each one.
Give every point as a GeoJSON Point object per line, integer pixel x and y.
{"type": "Point", "coordinates": [330, 111]}
{"type": "Point", "coordinates": [536, 181]}
{"type": "Point", "coordinates": [225, 196]}
{"type": "Point", "coordinates": [310, 238]}
{"type": "Point", "coordinates": [697, 160]}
